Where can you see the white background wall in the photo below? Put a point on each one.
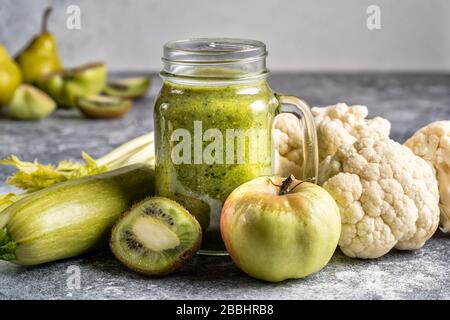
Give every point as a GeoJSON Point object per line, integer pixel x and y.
{"type": "Point", "coordinates": [305, 35]}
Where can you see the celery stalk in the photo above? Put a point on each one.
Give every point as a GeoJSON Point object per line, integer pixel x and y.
{"type": "Point", "coordinates": [34, 176]}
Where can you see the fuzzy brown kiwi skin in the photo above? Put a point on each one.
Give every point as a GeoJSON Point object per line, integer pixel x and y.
{"type": "Point", "coordinates": [181, 261]}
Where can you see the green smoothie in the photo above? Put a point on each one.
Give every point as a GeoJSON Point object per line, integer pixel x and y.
{"type": "Point", "coordinates": [209, 140]}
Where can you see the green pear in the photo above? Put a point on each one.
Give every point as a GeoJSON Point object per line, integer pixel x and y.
{"type": "Point", "coordinates": [67, 86]}
{"type": "Point", "coordinates": [10, 76]}
{"type": "Point", "coordinates": [40, 56]}
{"type": "Point", "coordinates": [30, 103]}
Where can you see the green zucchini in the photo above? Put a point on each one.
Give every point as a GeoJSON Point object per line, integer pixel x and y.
{"type": "Point", "coordinates": [72, 217]}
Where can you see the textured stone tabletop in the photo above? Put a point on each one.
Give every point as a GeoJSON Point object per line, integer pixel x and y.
{"type": "Point", "coordinates": [408, 101]}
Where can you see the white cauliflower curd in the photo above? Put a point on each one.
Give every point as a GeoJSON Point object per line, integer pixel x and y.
{"type": "Point", "coordinates": [288, 142]}
{"type": "Point", "coordinates": [336, 125]}
{"type": "Point", "coordinates": [387, 196]}
{"type": "Point", "coordinates": [432, 143]}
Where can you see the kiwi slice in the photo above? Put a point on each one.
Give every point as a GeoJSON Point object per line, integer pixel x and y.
{"type": "Point", "coordinates": [156, 237]}
{"type": "Point", "coordinates": [130, 88]}
{"type": "Point", "coordinates": [105, 107]}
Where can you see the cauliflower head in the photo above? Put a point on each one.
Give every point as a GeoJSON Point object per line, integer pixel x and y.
{"type": "Point", "coordinates": [336, 125]}
{"type": "Point", "coordinates": [387, 196]}
{"type": "Point", "coordinates": [432, 143]}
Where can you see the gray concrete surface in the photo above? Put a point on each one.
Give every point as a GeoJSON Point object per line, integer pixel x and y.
{"type": "Point", "coordinates": [300, 34]}
{"type": "Point", "coordinates": [409, 101]}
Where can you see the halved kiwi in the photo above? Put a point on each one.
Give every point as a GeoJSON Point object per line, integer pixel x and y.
{"type": "Point", "coordinates": [130, 88]}
{"type": "Point", "coordinates": [105, 107]}
{"type": "Point", "coordinates": [156, 237]}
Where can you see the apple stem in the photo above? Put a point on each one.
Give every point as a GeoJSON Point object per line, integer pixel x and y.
{"type": "Point", "coordinates": [284, 188]}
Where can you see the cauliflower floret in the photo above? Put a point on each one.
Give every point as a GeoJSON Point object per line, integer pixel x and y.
{"type": "Point", "coordinates": [336, 125]}
{"type": "Point", "coordinates": [387, 197]}
{"type": "Point", "coordinates": [432, 143]}
{"type": "Point", "coordinates": [287, 136]}
{"type": "Point", "coordinates": [343, 124]}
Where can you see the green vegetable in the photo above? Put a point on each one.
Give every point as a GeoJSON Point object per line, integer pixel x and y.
{"type": "Point", "coordinates": [8, 199]}
{"type": "Point", "coordinates": [72, 217]}
{"type": "Point", "coordinates": [33, 176]}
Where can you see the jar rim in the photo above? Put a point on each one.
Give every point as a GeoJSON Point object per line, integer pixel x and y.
{"type": "Point", "coordinates": [213, 50]}
{"type": "Point", "coordinates": [208, 59]}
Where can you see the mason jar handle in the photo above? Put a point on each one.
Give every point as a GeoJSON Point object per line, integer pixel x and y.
{"type": "Point", "coordinates": [310, 169]}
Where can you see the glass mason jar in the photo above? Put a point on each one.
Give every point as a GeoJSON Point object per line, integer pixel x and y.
{"type": "Point", "coordinates": [213, 126]}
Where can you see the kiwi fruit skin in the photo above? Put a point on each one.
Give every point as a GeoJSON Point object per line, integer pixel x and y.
{"type": "Point", "coordinates": [103, 112]}
{"type": "Point", "coordinates": [181, 260]}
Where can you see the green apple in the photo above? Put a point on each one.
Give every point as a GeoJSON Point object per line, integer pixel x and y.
{"type": "Point", "coordinates": [276, 229]}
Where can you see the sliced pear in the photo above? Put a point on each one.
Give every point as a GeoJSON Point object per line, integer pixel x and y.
{"type": "Point", "coordinates": [103, 107]}
{"type": "Point", "coordinates": [130, 88]}
{"type": "Point", "coordinates": [30, 103]}
{"type": "Point", "coordinates": [68, 85]}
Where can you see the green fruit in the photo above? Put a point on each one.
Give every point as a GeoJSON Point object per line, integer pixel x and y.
{"type": "Point", "coordinates": [67, 86]}
{"type": "Point", "coordinates": [70, 218]}
{"type": "Point", "coordinates": [10, 76]}
{"type": "Point", "coordinates": [276, 229]}
{"type": "Point", "coordinates": [157, 236]}
{"type": "Point", "coordinates": [30, 103]}
{"type": "Point", "coordinates": [40, 56]}
{"type": "Point", "coordinates": [98, 107]}
{"type": "Point", "coordinates": [131, 88]}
